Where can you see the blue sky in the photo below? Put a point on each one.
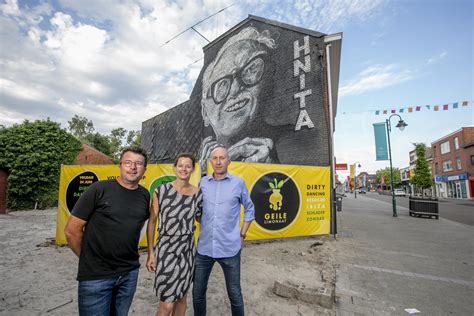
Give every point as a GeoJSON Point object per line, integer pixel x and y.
{"type": "Point", "coordinates": [104, 60]}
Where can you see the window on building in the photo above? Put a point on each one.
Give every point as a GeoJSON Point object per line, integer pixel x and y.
{"type": "Point", "coordinates": [456, 143]}
{"type": "Point", "coordinates": [472, 160]}
{"type": "Point", "coordinates": [445, 148]}
{"type": "Point", "coordinates": [447, 166]}
{"type": "Point", "coordinates": [458, 163]}
{"type": "Point", "coordinates": [436, 168]}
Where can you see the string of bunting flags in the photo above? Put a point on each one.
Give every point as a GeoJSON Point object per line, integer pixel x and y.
{"type": "Point", "coordinates": [418, 108]}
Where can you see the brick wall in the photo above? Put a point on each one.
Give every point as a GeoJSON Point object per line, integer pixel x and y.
{"type": "Point", "coordinates": [90, 156]}
{"type": "Point", "coordinates": [465, 137]}
{"type": "Point", "coordinates": [468, 135]}
{"type": "Point", "coordinates": [3, 191]}
{"type": "Point", "coordinates": [468, 149]}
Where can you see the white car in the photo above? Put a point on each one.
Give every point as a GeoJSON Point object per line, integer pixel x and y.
{"type": "Point", "coordinates": [399, 192]}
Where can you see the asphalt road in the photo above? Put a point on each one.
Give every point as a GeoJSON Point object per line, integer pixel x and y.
{"type": "Point", "coordinates": [461, 211]}
{"type": "Point", "coordinates": [388, 265]}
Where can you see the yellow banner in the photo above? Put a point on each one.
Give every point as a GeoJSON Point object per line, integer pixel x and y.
{"type": "Point", "coordinates": [74, 180]}
{"type": "Point", "coordinates": [289, 200]}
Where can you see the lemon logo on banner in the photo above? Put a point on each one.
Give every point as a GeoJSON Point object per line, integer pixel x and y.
{"type": "Point", "coordinates": [276, 199]}
{"type": "Point", "coordinates": [78, 185]}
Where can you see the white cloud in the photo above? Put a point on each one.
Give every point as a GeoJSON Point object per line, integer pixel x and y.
{"type": "Point", "coordinates": [78, 47]}
{"type": "Point", "coordinates": [436, 58]}
{"type": "Point", "coordinates": [10, 7]}
{"type": "Point", "coordinates": [91, 68]}
{"type": "Point", "coordinates": [375, 78]}
{"type": "Point", "coordinates": [16, 90]}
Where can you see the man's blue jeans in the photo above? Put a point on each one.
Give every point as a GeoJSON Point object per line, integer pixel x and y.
{"type": "Point", "coordinates": [111, 296]}
{"type": "Point", "coordinates": [231, 268]}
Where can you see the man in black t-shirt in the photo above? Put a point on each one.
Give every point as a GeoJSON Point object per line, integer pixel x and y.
{"type": "Point", "coordinates": [104, 231]}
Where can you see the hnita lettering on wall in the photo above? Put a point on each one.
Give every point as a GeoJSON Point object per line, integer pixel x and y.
{"type": "Point", "coordinates": [300, 70]}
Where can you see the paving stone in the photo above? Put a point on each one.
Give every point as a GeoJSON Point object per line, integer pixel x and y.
{"type": "Point", "coordinates": [319, 295]}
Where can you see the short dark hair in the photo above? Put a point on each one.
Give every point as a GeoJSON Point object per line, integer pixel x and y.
{"type": "Point", "coordinates": [136, 150]}
{"type": "Point", "coordinates": [185, 155]}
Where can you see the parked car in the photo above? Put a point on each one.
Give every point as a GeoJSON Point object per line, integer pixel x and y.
{"type": "Point", "coordinates": [362, 191]}
{"type": "Point", "coordinates": [399, 192]}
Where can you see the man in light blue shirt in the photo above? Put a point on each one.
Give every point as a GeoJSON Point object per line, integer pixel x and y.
{"type": "Point", "coordinates": [220, 238]}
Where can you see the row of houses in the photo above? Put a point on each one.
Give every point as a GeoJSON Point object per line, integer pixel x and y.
{"type": "Point", "coordinates": [451, 158]}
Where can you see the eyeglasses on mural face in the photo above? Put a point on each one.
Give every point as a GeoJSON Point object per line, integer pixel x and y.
{"type": "Point", "coordinates": [247, 76]}
{"type": "Point", "coordinates": [129, 163]}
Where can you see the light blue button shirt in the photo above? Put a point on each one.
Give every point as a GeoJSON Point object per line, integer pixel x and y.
{"type": "Point", "coordinates": [219, 236]}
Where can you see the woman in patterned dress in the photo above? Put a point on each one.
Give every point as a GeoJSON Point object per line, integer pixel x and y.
{"type": "Point", "coordinates": [175, 205]}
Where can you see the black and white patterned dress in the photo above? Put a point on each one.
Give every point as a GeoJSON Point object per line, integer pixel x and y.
{"type": "Point", "coordinates": [175, 249]}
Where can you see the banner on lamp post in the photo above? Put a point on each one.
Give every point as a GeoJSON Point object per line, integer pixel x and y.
{"type": "Point", "coordinates": [381, 148]}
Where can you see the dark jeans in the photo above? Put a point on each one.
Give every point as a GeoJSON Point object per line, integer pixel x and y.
{"type": "Point", "coordinates": [111, 296]}
{"type": "Point", "coordinates": [231, 268]}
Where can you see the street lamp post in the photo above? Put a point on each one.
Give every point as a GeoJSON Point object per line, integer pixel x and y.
{"type": "Point", "coordinates": [401, 125]}
{"type": "Point", "coordinates": [355, 178]}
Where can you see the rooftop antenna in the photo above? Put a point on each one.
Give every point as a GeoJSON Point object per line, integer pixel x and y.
{"type": "Point", "coordinates": [192, 27]}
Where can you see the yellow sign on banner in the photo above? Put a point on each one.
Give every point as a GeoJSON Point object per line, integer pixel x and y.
{"type": "Point", "coordinates": [74, 180]}
{"type": "Point", "coordinates": [289, 200]}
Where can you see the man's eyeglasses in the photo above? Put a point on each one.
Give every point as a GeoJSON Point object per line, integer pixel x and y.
{"type": "Point", "coordinates": [247, 76]}
{"type": "Point", "coordinates": [129, 163]}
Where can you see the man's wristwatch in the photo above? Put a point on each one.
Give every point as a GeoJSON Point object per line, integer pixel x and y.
{"type": "Point", "coordinates": [242, 235]}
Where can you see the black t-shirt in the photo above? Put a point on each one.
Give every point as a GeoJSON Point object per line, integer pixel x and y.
{"type": "Point", "coordinates": [115, 217]}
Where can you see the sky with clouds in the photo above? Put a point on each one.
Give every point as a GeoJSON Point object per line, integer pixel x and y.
{"type": "Point", "coordinates": [105, 60]}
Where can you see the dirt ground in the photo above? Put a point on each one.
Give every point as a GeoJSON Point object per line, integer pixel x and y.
{"type": "Point", "coordinates": [37, 277]}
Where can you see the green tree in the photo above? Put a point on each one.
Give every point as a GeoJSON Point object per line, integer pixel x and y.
{"type": "Point", "coordinates": [422, 178]}
{"type": "Point", "coordinates": [116, 137]}
{"type": "Point", "coordinates": [81, 127]}
{"type": "Point", "coordinates": [33, 153]}
{"type": "Point", "coordinates": [120, 138]}
{"type": "Point", "coordinates": [387, 176]}
{"type": "Point", "coordinates": [134, 138]}
{"type": "Point", "coordinates": [111, 144]}
{"type": "Point", "coordinates": [99, 142]}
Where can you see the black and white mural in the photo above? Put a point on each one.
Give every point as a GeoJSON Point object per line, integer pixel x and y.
{"type": "Point", "coordinates": [231, 104]}
{"type": "Point", "coordinates": [261, 93]}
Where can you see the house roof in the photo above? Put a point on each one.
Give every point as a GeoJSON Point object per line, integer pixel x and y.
{"type": "Point", "coordinates": [451, 134]}
{"type": "Point", "coordinates": [267, 21]}
{"type": "Point", "coordinates": [93, 149]}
